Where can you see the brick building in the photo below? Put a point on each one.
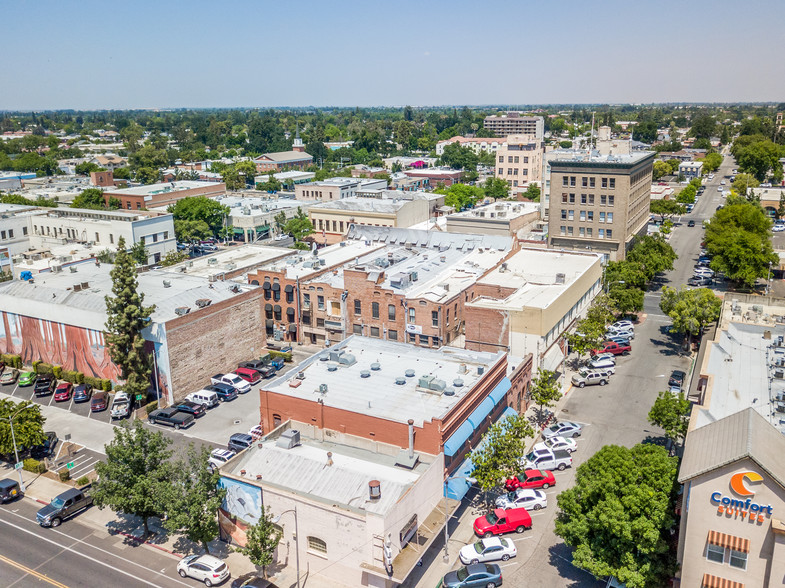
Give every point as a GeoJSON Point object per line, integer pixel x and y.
{"type": "Point", "coordinates": [164, 194]}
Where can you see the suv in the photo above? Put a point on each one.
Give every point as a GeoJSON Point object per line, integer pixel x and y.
{"type": "Point", "coordinates": [239, 442]}
{"type": "Point", "coordinates": [9, 490]}
{"type": "Point", "coordinates": [218, 457]}
{"type": "Point", "coordinates": [63, 506]}
{"type": "Point", "coordinates": [590, 377]}
{"type": "Point", "coordinates": [225, 392]}
{"type": "Point", "coordinates": [45, 385]}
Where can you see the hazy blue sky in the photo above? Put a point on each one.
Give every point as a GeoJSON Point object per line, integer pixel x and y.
{"type": "Point", "coordinates": [147, 54]}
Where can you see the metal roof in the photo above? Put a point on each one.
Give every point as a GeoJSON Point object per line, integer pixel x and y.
{"type": "Point", "coordinates": [745, 434]}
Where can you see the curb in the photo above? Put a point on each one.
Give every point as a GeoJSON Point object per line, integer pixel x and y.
{"type": "Point", "coordinates": [138, 540]}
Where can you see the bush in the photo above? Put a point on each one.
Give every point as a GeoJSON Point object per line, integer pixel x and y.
{"type": "Point", "coordinates": [97, 383]}
{"type": "Point", "coordinates": [33, 465]}
{"type": "Point", "coordinates": [12, 360]}
{"type": "Point", "coordinates": [73, 377]}
{"type": "Point", "coordinates": [151, 406]}
{"type": "Point", "coordinates": [83, 481]}
{"type": "Point", "coordinates": [43, 368]}
{"type": "Point", "coordinates": [64, 474]}
{"type": "Point", "coordinates": [287, 356]}
{"type": "Point", "coordinates": [36, 363]}
{"type": "Point", "coordinates": [57, 371]}
{"type": "Point", "coordinates": [106, 385]}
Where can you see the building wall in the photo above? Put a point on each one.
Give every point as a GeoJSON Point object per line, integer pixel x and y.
{"type": "Point", "coordinates": [515, 125]}
{"type": "Point", "coordinates": [519, 162]}
{"type": "Point", "coordinates": [263, 165]}
{"type": "Point", "coordinates": [331, 225]}
{"type": "Point", "coordinates": [15, 233]}
{"type": "Point", "coordinates": [140, 202]}
{"type": "Point", "coordinates": [447, 179]}
{"type": "Point", "coordinates": [214, 339]}
{"type": "Point", "coordinates": [700, 515]}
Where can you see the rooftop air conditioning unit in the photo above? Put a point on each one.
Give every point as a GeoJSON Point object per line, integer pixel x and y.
{"type": "Point", "coordinates": [203, 302]}
{"type": "Point", "coordinates": [182, 310]}
{"type": "Point", "coordinates": [560, 278]}
{"type": "Point", "coordinates": [167, 284]}
{"type": "Point", "coordinates": [289, 438]}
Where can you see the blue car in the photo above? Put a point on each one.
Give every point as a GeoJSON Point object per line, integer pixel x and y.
{"type": "Point", "coordinates": [225, 392]}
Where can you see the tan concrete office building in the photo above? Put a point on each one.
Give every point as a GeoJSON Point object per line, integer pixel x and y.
{"type": "Point", "coordinates": [515, 123]}
{"type": "Point", "coordinates": [519, 162]}
{"type": "Point", "coordinates": [732, 533]}
{"type": "Point", "coordinates": [599, 202]}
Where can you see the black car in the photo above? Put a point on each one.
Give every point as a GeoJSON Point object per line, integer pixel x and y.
{"type": "Point", "coordinates": [47, 448]}
{"type": "Point", "coordinates": [252, 581]}
{"type": "Point", "coordinates": [170, 416]}
{"type": "Point", "coordinates": [225, 392]}
{"type": "Point", "coordinates": [691, 223]}
{"type": "Point", "coordinates": [677, 378]}
{"type": "Point", "coordinates": [699, 281]}
{"type": "Point", "coordinates": [9, 490]}
{"type": "Point", "coordinates": [83, 393]}
{"type": "Point", "coordinates": [254, 364]}
{"type": "Point", "coordinates": [239, 442]}
{"type": "Point", "coordinates": [191, 408]}
{"type": "Point", "coordinates": [45, 385]}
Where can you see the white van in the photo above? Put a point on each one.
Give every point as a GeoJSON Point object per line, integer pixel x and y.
{"type": "Point", "coordinates": [204, 397]}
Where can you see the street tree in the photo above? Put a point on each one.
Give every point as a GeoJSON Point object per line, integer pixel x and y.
{"type": "Point", "coordinates": [261, 541]}
{"type": "Point", "coordinates": [232, 178]}
{"type": "Point", "coordinates": [272, 184]}
{"type": "Point", "coordinates": [544, 391]}
{"type": "Point", "coordinates": [28, 425]}
{"type": "Point", "coordinates": [502, 449]}
{"type": "Point", "coordinates": [711, 162]}
{"type": "Point", "coordinates": [690, 309]}
{"type": "Point", "coordinates": [136, 478]}
{"type": "Point", "coordinates": [627, 300]}
{"type": "Point", "coordinates": [139, 253]}
{"type": "Point", "coordinates": [458, 157]}
{"type": "Point", "coordinates": [496, 188]}
{"type": "Point", "coordinates": [126, 318]}
{"type": "Point", "coordinates": [461, 196]}
{"type": "Point", "coordinates": [660, 169]}
{"type": "Point", "coordinates": [200, 208]}
{"type": "Point", "coordinates": [532, 192]}
{"type": "Point", "coordinates": [653, 253]}
{"type": "Point", "coordinates": [619, 516]}
{"type": "Point", "coordinates": [671, 412]}
{"type": "Point", "coordinates": [195, 498]}
{"type": "Point", "coordinates": [743, 183]}
{"type": "Point", "coordinates": [667, 208]}
{"type": "Point", "coordinates": [188, 231]}
{"type": "Point", "coordinates": [93, 198]}
{"type": "Point", "coordinates": [299, 226]}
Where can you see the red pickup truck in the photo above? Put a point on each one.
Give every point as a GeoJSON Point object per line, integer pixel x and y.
{"type": "Point", "coordinates": [615, 348]}
{"type": "Point", "coordinates": [501, 521]}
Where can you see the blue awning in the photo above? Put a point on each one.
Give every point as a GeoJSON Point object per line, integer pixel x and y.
{"type": "Point", "coordinates": [457, 485]}
{"type": "Point", "coordinates": [482, 411]}
{"type": "Point", "coordinates": [508, 412]}
{"type": "Point", "coordinates": [458, 438]}
{"type": "Point", "coordinates": [498, 393]}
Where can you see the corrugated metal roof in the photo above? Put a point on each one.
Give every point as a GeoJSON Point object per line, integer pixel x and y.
{"type": "Point", "coordinates": [745, 434]}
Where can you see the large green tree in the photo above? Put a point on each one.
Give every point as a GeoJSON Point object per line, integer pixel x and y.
{"type": "Point", "coordinates": [532, 192]}
{"type": "Point", "coordinates": [262, 539]}
{"type": "Point", "coordinates": [458, 157]}
{"type": "Point", "coordinates": [496, 188]}
{"type": "Point", "coordinates": [690, 309]}
{"type": "Point", "coordinates": [200, 208]}
{"type": "Point", "coordinates": [502, 448]}
{"type": "Point", "coordinates": [666, 208]}
{"type": "Point", "coordinates": [94, 198]}
{"type": "Point", "coordinates": [299, 226]}
{"type": "Point", "coordinates": [711, 162]}
{"type": "Point", "coordinates": [653, 253]}
{"type": "Point", "coordinates": [461, 196]}
{"type": "Point", "coordinates": [619, 516]}
{"type": "Point", "coordinates": [137, 476]}
{"type": "Point", "coordinates": [671, 412]}
{"type": "Point", "coordinates": [126, 318]}
{"type": "Point", "coordinates": [188, 231]}
{"type": "Point", "coordinates": [195, 498]}
{"type": "Point", "coordinates": [28, 425]}
{"type": "Point", "coordinates": [544, 391]}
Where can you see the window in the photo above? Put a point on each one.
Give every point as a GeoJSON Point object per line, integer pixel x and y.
{"type": "Point", "coordinates": [583, 215]}
{"type": "Point", "coordinates": [509, 171]}
{"type": "Point", "coordinates": [572, 181]}
{"type": "Point", "coordinates": [375, 310]}
{"type": "Point", "coordinates": [501, 171]}
{"type": "Point", "coordinates": [585, 182]}
{"type": "Point", "coordinates": [375, 332]}
{"type": "Point", "coordinates": [582, 232]}
{"type": "Point", "coordinates": [2, 234]}
{"type": "Point", "coordinates": [609, 233]}
{"type": "Point", "coordinates": [166, 235]}
{"type": "Point", "coordinates": [600, 233]}
{"type": "Point", "coordinates": [572, 198]}
{"type": "Point", "coordinates": [358, 307]}
{"type": "Point", "coordinates": [602, 217]}
{"type": "Point", "coordinates": [603, 199]}
{"type": "Point", "coordinates": [317, 545]}
{"type": "Point", "coordinates": [357, 329]}
{"type": "Point", "coordinates": [564, 197]}
{"type": "Point", "coordinates": [584, 199]}
{"type": "Point", "coordinates": [570, 215]}
{"type": "Point", "coordinates": [590, 215]}
{"type": "Point", "coordinates": [565, 181]}
{"type": "Point", "coordinates": [591, 182]}
{"type": "Point", "coordinates": [738, 559]}
{"type": "Point", "coordinates": [392, 335]}
{"type": "Point", "coordinates": [515, 171]}
{"type": "Point", "coordinates": [715, 553]}
{"type": "Point", "coordinates": [24, 230]}
{"type": "Point", "coordinates": [525, 160]}
{"type": "Point", "coordinates": [138, 206]}
{"type": "Point", "coordinates": [516, 159]}
{"type": "Point", "coordinates": [424, 340]}
{"type": "Point", "coordinates": [447, 317]}
{"type": "Point", "coordinates": [610, 200]}
{"type": "Point", "coordinates": [591, 198]}
{"type": "Point", "coordinates": [612, 183]}
{"type": "Point", "coordinates": [320, 302]}
{"type": "Point", "coordinates": [111, 238]}
{"type": "Point", "coordinates": [515, 182]}
{"type": "Point", "coordinates": [610, 217]}
{"type": "Point", "coordinates": [569, 231]}
{"type": "Point", "coordinates": [564, 214]}
{"type": "Point", "coordinates": [604, 182]}
{"type": "Point", "coordinates": [306, 300]}
{"type": "Point", "coordinates": [320, 322]}
{"type": "Point", "coordinates": [562, 230]}
{"type": "Point", "coordinates": [290, 296]}
{"type": "Point", "coordinates": [391, 312]}
{"type": "Point", "coordinates": [589, 231]}
{"type": "Point", "coordinates": [435, 318]}
{"type": "Point", "coordinates": [97, 238]}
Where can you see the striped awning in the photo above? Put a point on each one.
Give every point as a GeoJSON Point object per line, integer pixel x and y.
{"type": "Point", "coordinates": [729, 541]}
{"type": "Point", "coordinates": [710, 581]}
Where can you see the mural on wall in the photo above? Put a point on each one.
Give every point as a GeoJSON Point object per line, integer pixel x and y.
{"type": "Point", "coordinates": [73, 348]}
{"type": "Point", "coordinates": [161, 370]}
{"type": "Point", "coordinates": [241, 508]}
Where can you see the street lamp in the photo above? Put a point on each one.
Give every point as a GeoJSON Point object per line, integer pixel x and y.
{"type": "Point", "coordinates": [447, 512]}
{"type": "Point", "coordinates": [768, 280]}
{"type": "Point", "coordinates": [13, 440]}
{"type": "Point", "coordinates": [296, 539]}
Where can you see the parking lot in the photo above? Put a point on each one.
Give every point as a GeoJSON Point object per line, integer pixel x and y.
{"type": "Point", "coordinates": [79, 408]}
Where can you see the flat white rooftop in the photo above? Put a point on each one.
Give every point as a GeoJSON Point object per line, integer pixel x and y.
{"type": "Point", "coordinates": [304, 263]}
{"type": "Point", "coordinates": [510, 210]}
{"type": "Point", "coordinates": [241, 258]}
{"type": "Point", "coordinates": [356, 204]}
{"type": "Point", "coordinates": [257, 206]}
{"type": "Point", "coordinates": [387, 393]}
{"type": "Point", "coordinates": [163, 188]}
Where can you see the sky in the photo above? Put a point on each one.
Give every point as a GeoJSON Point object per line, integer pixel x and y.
{"type": "Point", "coordinates": [84, 54]}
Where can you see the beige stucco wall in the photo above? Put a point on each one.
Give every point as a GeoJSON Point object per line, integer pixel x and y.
{"type": "Point", "coordinates": [700, 515]}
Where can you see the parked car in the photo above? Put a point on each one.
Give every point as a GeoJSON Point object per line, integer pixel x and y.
{"type": "Point", "coordinates": [205, 568]}
{"type": "Point", "coordinates": [9, 490]}
{"type": "Point", "coordinates": [218, 457]}
{"type": "Point", "coordinates": [27, 378]}
{"type": "Point", "coordinates": [590, 377]}
{"type": "Point", "coordinates": [677, 378]}
{"type": "Point", "coordinates": [563, 429]}
{"type": "Point", "coordinates": [491, 549]}
{"type": "Point", "coordinates": [485, 575]}
{"type": "Point", "coordinates": [523, 498]}
{"type": "Point", "coordinates": [251, 580]}
{"type": "Point", "coordinates": [690, 223]}
{"type": "Point", "coordinates": [233, 380]}
{"type": "Point", "coordinates": [619, 340]}
{"type": "Point", "coordinates": [625, 325]}
{"type": "Point", "coordinates": [83, 392]}
{"type": "Point", "coordinates": [64, 391]}
{"type": "Point", "coordinates": [45, 385]}
{"type": "Point", "coordinates": [614, 348]}
{"type": "Point", "coordinates": [248, 374]}
{"type": "Point", "coordinates": [239, 442]}
{"type": "Point", "coordinates": [99, 401]}
{"type": "Point", "coordinates": [500, 521]}
{"type": "Point", "coordinates": [623, 333]}
{"type": "Point", "coordinates": [224, 392]}
{"type": "Point", "coordinates": [207, 398]}
{"type": "Point", "coordinates": [703, 272]}
{"type": "Point", "coordinates": [170, 416]}
{"type": "Point", "coordinates": [704, 261]}
{"type": "Point", "coordinates": [557, 442]}
{"type": "Point", "coordinates": [607, 364]}
{"type": "Point", "coordinates": [548, 459]}
{"type": "Point", "coordinates": [601, 356]}
{"type": "Point", "coordinates": [9, 376]}
{"type": "Point", "coordinates": [778, 228]}
{"type": "Point", "coordinates": [256, 431]}
{"type": "Point", "coordinates": [47, 448]}
{"type": "Point", "coordinates": [531, 479]}
{"type": "Point", "coordinates": [700, 281]}
{"type": "Point", "coordinates": [121, 406]}
{"type": "Point", "coordinates": [191, 408]}
{"type": "Point", "coordinates": [63, 506]}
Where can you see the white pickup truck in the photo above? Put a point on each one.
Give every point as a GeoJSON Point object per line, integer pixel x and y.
{"type": "Point", "coordinates": [548, 459]}
{"type": "Point", "coordinates": [121, 407]}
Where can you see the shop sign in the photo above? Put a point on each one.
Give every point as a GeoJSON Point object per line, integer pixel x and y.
{"type": "Point", "coordinates": [744, 507]}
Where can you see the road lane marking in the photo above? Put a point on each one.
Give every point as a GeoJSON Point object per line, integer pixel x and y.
{"type": "Point", "coordinates": [31, 572]}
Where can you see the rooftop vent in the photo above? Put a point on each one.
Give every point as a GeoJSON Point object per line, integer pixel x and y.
{"type": "Point", "coordinates": [375, 366]}
{"type": "Point", "coordinates": [400, 380]}
{"type": "Point", "coordinates": [322, 388]}
{"type": "Point", "coordinates": [409, 373]}
{"type": "Point", "coordinates": [365, 374]}
{"type": "Point", "coordinates": [347, 359]}
{"type": "Point", "coordinates": [449, 391]}
{"type": "Point", "coordinates": [324, 358]}
{"type": "Point", "coordinates": [182, 310]}
{"type": "Point", "coordinates": [332, 368]}
{"type": "Point", "coordinates": [336, 355]}
{"type": "Point", "coordinates": [167, 284]}
{"type": "Point", "coordinates": [203, 302]}
{"type": "Point", "coordinates": [288, 439]}
{"type": "Point", "coordinates": [457, 382]}
{"type": "Point", "coordinates": [560, 278]}
{"type": "Point", "coordinates": [374, 490]}
{"type": "Point", "coordinates": [73, 269]}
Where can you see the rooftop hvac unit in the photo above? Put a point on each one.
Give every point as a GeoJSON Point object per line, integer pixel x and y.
{"type": "Point", "coordinates": [182, 310]}
{"type": "Point", "coordinates": [288, 439]}
{"type": "Point", "coordinates": [85, 285]}
{"type": "Point", "coordinates": [779, 373]}
{"type": "Point", "coordinates": [73, 269]}
{"type": "Point", "coordinates": [77, 287]}
{"type": "Point", "coordinates": [322, 388]}
{"type": "Point", "coordinates": [212, 261]}
{"type": "Point", "coordinates": [56, 268]}
{"type": "Point", "coordinates": [335, 355]}
{"type": "Point", "coordinates": [347, 359]}
{"type": "Point", "coordinates": [560, 278]}
{"type": "Point", "coordinates": [203, 302]}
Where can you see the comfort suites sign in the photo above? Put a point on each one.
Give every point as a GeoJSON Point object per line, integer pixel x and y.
{"type": "Point", "coordinates": [744, 507]}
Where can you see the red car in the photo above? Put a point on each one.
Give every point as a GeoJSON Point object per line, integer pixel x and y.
{"type": "Point", "coordinates": [248, 374]}
{"type": "Point", "coordinates": [531, 479]}
{"type": "Point", "coordinates": [615, 348]}
{"type": "Point", "coordinates": [63, 392]}
{"type": "Point", "coordinates": [500, 521]}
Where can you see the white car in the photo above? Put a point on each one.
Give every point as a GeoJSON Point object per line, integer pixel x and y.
{"type": "Point", "coordinates": [624, 325]}
{"type": "Point", "coordinates": [563, 429]}
{"type": "Point", "coordinates": [527, 498]}
{"type": "Point", "coordinates": [778, 228]}
{"type": "Point", "coordinates": [711, 176]}
{"type": "Point", "coordinates": [719, 188]}
{"type": "Point", "coordinates": [605, 364]}
{"type": "Point", "coordinates": [242, 386]}
{"type": "Point", "coordinates": [722, 182]}
{"type": "Point", "coordinates": [600, 356]}
{"type": "Point", "coordinates": [218, 457]}
{"type": "Point", "coordinates": [555, 443]}
{"type": "Point", "coordinates": [205, 568]}
{"type": "Point", "coordinates": [491, 549]}
{"type": "Point", "coordinates": [703, 272]}
{"type": "Point", "coordinates": [624, 333]}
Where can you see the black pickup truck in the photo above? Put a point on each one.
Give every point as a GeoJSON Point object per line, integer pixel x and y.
{"type": "Point", "coordinates": [63, 506]}
{"type": "Point", "coordinates": [172, 417]}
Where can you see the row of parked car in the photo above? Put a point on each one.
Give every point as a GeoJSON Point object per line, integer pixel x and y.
{"type": "Point", "coordinates": [602, 364]}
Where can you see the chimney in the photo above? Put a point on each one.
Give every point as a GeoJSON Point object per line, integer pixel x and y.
{"type": "Point", "coordinates": [374, 489]}
{"type": "Point", "coordinates": [411, 438]}
{"type": "Point", "coordinates": [329, 458]}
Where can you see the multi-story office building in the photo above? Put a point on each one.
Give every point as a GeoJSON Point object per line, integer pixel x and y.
{"type": "Point", "coordinates": [515, 123]}
{"type": "Point", "coordinates": [519, 162]}
{"type": "Point", "coordinates": [476, 144]}
{"type": "Point", "coordinates": [337, 188]}
{"type": "Point", "coordinates": [599, 201]}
